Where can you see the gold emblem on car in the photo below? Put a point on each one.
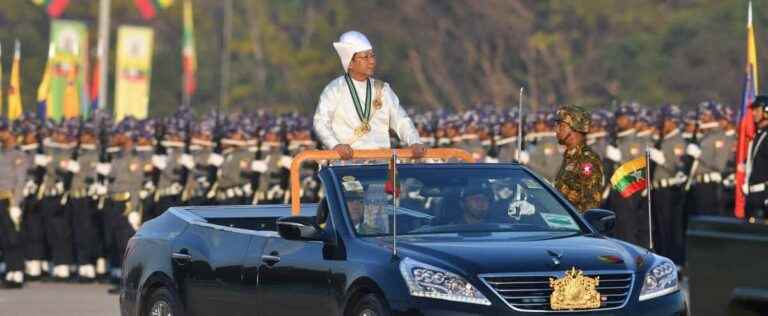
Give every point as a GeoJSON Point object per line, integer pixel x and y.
{"type": "Point", "coordinates": [574, 291]}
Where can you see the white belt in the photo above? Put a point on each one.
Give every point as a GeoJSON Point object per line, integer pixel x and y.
{"type": "Point", "coordinates": [173, 189]}
{"type": "Point", "coordinates": [755, 188]}
{"type": "Point", "coordinates": [668, 182]}
{"type": "Point", "coordinates": [715, 177]}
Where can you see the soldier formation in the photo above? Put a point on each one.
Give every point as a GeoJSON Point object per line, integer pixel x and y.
{"type": "Point", "coordinates": [74, 192]}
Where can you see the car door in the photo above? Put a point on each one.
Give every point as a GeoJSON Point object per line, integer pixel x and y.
{"type": "Point", "coordinates": [294, 278]}
{"type": "Point", "coordinates": [208, 264]}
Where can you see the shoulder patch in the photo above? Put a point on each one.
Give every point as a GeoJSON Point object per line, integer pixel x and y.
{"type": "Point", "coordinates": [586, 169]}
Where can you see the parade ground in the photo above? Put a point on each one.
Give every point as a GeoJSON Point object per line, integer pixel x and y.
{"type": "Point", "coordinates": [62, 299]}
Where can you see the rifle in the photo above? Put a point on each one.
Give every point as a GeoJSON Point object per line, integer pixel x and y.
{"type": "Point", "coordinates": [184, 176]}
{"type": "Point", "coordinates": [256, 176]}
{"type": "Point", "coordinates": [519, 125]}
{"type": "Point", "coordinates": [103, 158]}
{"type": "Point", "coordinates": [40, 171]}
{"type": "Point", "coordinates": [69, 176]}
{"type": "Point", "coordinates": [493, 151]}
{"type": "Point", "coordinates": [159, 150]}
{"type": "Point", "coordinates": [694, 140]}
{"type": "Point", "coordinates": [213, 171]}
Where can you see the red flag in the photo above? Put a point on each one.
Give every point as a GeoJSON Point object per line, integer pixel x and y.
{"type": "Point", "coordinates": [392, 184]}
{"type": "Point", "coordinates": [746, 125]}
{"type": "Point", "coordinates": [94, 89]}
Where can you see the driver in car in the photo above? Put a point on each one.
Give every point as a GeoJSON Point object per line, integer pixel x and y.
{"type": "Point", "coordinates": [356, 207]}
{"type": "Point", "coordinates": [476, 203]}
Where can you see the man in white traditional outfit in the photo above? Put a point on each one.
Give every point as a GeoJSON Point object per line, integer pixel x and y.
{"type": "Point", "coordinates": [356, 111]}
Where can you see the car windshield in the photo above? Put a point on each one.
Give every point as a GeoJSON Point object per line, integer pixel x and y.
{"type": "Point", "coordinates": [451, 200]}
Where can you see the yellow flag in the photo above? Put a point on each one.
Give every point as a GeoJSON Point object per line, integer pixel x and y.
{"type": "Point", "coordinates": [14, 89]}
{"type": "Point", "coordinates": [133, 71]}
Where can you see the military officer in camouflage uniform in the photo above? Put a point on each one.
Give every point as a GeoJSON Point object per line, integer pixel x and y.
{"type": "Point", "coordinates": [668, 180]}
{"type": "Point", "coordinates": [13, 167]}
{"type": "Point", "coordinates": [580, 178]}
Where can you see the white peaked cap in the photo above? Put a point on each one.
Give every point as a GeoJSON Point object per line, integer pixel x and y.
{"type": "Point", "coordinates": [350, 43]}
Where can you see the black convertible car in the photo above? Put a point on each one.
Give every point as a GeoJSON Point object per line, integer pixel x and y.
{"type": "Point", "coordinates": [430, 239]}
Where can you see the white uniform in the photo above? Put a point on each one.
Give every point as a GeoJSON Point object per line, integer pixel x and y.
{"type": "Point", "coordinates": [335, 119]}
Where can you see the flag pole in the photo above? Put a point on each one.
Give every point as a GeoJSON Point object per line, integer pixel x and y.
{"type": "Point", "coordinates": [102, 52]}
{"type": "Point", "coordinates": [396, 199]}
{"type": "Point", "coordinates": [648, 187]}
{"type": "Point", "coordinates": [519, 125]}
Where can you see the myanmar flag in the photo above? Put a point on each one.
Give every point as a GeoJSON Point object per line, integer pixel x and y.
{"type": "Point", "coordinates": [44, 89]}
{"type": "Point", "coordinates": [14, 89]}
{"type": "Point", "coordinates": [630, 177]}
{"type": "Point", "coordinates": [392, 185]}
{"type": "Point", "coordinates": [148, 8]}
{"type": "Point", "coordinates": [189, 58]}
{"type": "Point", "coordinates": [53, 7]}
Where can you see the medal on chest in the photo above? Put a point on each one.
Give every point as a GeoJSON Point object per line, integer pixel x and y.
{"type": "Point", "coordinates": [363, 110]}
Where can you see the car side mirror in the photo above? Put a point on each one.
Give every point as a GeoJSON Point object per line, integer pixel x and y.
{"type": "Point", "coordinates": [299, 228]}
{"type": "Point", "coordinates": [602, 220]}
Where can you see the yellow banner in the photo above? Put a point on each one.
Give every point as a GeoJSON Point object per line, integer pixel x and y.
{"type": "Point", "coordinates": [68, 62]}
{"type": "Point", "coordinates": [133, 71]}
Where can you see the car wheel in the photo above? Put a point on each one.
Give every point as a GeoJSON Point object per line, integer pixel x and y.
{"type": "Point", "coordinates": [370, 305]}
{"type": "Point", "coordinates": [162, 302]}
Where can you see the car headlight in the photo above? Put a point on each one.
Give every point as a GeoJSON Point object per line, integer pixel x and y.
{"type": "Point", "coordinates": [425, 280]}
{"type": "Point", "coordinates": [660, 280]}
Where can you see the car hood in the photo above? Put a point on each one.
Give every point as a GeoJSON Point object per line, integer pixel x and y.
{"type": "Point", "coordinates": [538, 253]}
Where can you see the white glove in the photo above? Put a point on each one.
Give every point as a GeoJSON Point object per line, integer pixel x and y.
{"type": "Point", "coordinates": [103, 168]}
{"type": "Point", "coordinates": [693, 150]}
{"type": "Point", "coordinates": [42, 160]}
{"type": "Point", "coordinates": [187, 161]}
{"type": "Point", "coordinates": [134, 218]}
{"type": "Point", "coordinates": [73, 166]}
{"type": "Point", "coordinates": [15, 212]}
{"type": "Point", "coordinates": [285, 162]}
{"type": "Point", "coordinates": [160, 161]}
{"type": "Point", "coordinates": [613, 153]}
{"type": "Point", "coordinates": [259, 166]}
{"type": "Point", "coordinates": [520, 208]}
{"type": "Point", "coordinates": [525, 157]}
{"type": "Point", "coordinates": [101, 189]}
{"type": "Point", "coordinates": [745, 188]}
{"type": "Point", "coordinates": [657, 156]}
{"type": "Point", "coordinates": [215, 159]}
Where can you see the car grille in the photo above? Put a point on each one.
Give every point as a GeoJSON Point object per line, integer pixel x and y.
{"type": "Point", "coordinates": [531, 291]}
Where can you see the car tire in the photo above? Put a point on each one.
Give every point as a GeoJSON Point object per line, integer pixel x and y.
{"type": "Point", "coordinates": [162, 302]}
{"type": "Point", "coordinates": [370, 305]}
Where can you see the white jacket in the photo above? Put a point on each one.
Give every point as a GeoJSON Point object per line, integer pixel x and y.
{"type": "Point", "coordinates": [336, 119]}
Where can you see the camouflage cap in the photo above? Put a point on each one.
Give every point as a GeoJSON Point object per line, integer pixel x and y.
{"type": "Point", "coordinates": [576, 117]}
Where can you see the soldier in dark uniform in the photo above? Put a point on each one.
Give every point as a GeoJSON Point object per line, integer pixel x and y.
{"type": "Point", "coordinates": [545, 156]}
{"type": "Point", "coordinates": [56, 217]}
{"type": "Point", "coordinates": [756, 186]}
{"type": "Point", "coordinates": [628, 210]}
{"type": "Point", "coordinates": [668, 180]}
{"type": "Point", "coordinates": [507, 142]}
{"type": "Point", "coordinates": [236, 160]}
{"type": "Point", "coordinates": [122, 213]}
{"type": "Point", "coordinates": [168, 189]}
{"type": "Point", "coordinates": [711, 158]}
{"type": "Point", "coordinates": [202, 146]}
{"type": "Point", "coordinates": [580, 178]}
{"type": "Point", "coordinates": [81, 205]}
{"type": "Point", "coordinates": [13, 166]}
{"type": "Point", "coordinates": [33, 228]}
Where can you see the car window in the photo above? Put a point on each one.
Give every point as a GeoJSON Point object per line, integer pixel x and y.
{"type": "Point", "coordinates": [452, 200]}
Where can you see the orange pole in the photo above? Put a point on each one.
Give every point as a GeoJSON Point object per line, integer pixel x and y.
{"type": "Point", "coordinates": [314, 155]}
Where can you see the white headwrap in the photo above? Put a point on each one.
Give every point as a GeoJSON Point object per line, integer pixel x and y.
{"type": "Point", "coordinates": [350, 43]}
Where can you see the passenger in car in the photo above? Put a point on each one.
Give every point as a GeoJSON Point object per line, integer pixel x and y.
{"type": "Point", "coordinates": [476, 204]}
